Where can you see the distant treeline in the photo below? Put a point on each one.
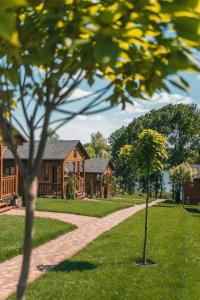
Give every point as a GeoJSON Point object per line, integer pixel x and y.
{"type": "Point", "coordinates": [180, 124]}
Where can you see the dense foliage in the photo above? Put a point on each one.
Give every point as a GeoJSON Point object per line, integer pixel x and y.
{"type": "Point", "coordinates": [179, 123]}
{"type": "Point", "coordinates": [98, 146]}
{"type": "Point", "coordinates": [180, 175]}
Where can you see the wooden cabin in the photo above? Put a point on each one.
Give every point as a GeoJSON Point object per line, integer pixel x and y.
{"type": "Point", "coordinates": [191, 191]}
{"type": "Point", "coordinates": [9, 175]}
{"type": "Point", "coordinates": [98, 173]}
{"type": "Point", "coordinates": [63, 161]}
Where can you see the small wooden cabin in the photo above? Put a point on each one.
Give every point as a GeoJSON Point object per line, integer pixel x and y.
{"type": "Point", "coordinates": [192, 191]}
{"type": "Point", "coordinates": [63, 161]}
{"type": "Point", "coordinates": [9, 175]}
{"type": "Point", "coordinates": [98, 173]}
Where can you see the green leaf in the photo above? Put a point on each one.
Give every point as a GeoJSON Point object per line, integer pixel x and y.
{"type": "Point", "coordinates": [106, 51]}
{"type": "Point", "coordinates": [7, 24]}
{"type": "Point", "coordinates": [189, 31]}
{"type": "Point", "coordinates": [178, 5]}
{"type": "Point", "coordinates": [4, 4]}
{"type": "Point", "coordinates": [12, 75]}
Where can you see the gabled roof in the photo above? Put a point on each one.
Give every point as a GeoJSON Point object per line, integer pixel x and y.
{"type": "Point", "coordinates": [97, 165]}
{"type": "Point", "coordinates": [54, 150]}
{"type": "Point", "coordinates": [197, 167]}
{"type": "Point", "coordinates": [16, 132]}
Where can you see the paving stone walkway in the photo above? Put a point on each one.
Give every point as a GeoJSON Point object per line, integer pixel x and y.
{"type": "Point", "coordinates": [77, 220]}
{"type": "Point", "coordinates": [48, 255]}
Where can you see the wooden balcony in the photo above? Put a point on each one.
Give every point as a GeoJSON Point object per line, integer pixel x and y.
{"type": "Point", "coordinates": [49, 189]}
{"type": "Point", "coordinates": [8, 186]}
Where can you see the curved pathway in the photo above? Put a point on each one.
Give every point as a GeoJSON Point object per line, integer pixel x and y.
{"type": "Point", "coordinates": [77, 220]}
{"type": "Point", "coordinates": [48, 255]}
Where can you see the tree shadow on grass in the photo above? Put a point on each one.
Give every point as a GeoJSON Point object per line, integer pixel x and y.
{"type": "Point", "coordinates": [68, 266]}
{"type": "Point", "coordinates": [166, 204]}
{"type": "Point", "coordinates": [193, 210]}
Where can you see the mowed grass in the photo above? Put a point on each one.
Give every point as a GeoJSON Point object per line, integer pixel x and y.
{"type": "Point", "coordinates": [80, 207]}
{"type": "Point", "coordinates": [106, 269]}
{"type": "Point", "coordinates": [12, 230]}
{"type": "Point", "coordinates": [131, 199]}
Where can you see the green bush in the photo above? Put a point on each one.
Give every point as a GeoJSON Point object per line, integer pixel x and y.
{"type": "Point", "coordinates": [90, 191]}
{"type": "Point", "coordinates": [114, 187]}
{"type": "Point", "coordinates": [71, 190]}
{"type": "Point", "coordinates": [105, 191]}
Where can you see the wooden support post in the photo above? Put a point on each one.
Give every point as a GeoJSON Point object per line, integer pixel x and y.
{"type": "Point", "coordinates": [101, 187]}
{"type": "Point", "coordinates": [1, 168]}
{"type": "Point", "coordinates": [83, 166]}
{"type": "Point", "coordinates": [63, 181]}
{"type": "Point", "coordinates": [111, 184]}
{"type": "Point", "coordinates": [17, 178]}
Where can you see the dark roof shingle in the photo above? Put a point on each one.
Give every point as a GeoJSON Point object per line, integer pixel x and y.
{"type": "Point", "coordinates": [54, 150]}
{"type": "Point", "coordinates": [96, 165]}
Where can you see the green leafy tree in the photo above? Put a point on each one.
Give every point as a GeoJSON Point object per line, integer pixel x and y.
{"type": "Point", "coordinates": [179, 123]}
{"type": "Point", "coordinates": [148, 153]}
{"type": "Point", "coordinates": [52, 135]}
{"type": "Point", "coordinates": [100, 145]}
{"type": "Point", "coordinates": [181, 175]}
{"type": "Point", "coordinates": [90, 151]}
{"type": "Point", "coordinates": [48, 48]}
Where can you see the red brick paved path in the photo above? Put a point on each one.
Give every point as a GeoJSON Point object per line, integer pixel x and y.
{"type": "Point", "coordinates": [55, 251]}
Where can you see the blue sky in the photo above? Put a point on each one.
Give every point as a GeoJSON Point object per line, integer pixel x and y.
{"type": "Point", "coordinates": [107, 122]}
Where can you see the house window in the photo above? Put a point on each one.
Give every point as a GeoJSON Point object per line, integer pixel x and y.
{"type": "Point", "coordinates": [9, 171]}
{"type": "Point", "coordinates": [12, 171]}
{"type": "Point", "coordinates": [46, 174]}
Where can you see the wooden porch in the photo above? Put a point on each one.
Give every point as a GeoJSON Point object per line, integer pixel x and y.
{"type": "Point", "coordinates": [54, 179]}
{"type": "Point", "coordinates": [8, 182]}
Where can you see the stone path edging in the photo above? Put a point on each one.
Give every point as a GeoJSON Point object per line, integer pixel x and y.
{"type": "Point", "coordinates": [48, 255]}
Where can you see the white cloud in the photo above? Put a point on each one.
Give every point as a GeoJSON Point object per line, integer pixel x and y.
{"type": "Point", "coordinates": [83, 126]}
{"type": "Point", "coordinates": [82, 118]}
{"type": "Point", "coordinates": [98, 118]}
{"type": "Point", "coordinates": [77, 130]}
{"type": "Point", "coordinates": [140, 107]}
{"type": "Point", "coordinates": [165, 98]}
{"type": "Point", "coordinates": [78, 93]}
{"type": "Point", "coordinates": [128, 120]}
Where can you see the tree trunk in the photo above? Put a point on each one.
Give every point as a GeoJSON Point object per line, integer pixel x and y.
{"type": "Point", "coordinates": [182, 196]}
{"type": "Point", "coordinates": [161, 186]}
{"type": "Point", "coordinates": [30, 195]}
{"type": "Point", "coordinates": [146, 226]}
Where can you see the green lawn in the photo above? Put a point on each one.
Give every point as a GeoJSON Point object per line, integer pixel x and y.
{"type": "Point", "coordinates": [105, 270]}
{"type": "Point", "coordinates": [132, 199]}
{"type": "Point", "coordinates": [80, 207]}
{"type": "Point", "coordinates": [12, 229]}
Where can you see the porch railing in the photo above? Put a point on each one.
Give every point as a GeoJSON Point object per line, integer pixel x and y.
{"type": "Point", "coordinates": [48, 188]}
{"type": "Point", "coordinates": [8, 186]}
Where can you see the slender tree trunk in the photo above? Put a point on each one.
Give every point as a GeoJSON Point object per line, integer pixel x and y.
{"type": "Point", "coordinates": [182, 195]}
{"type": "Point", "coordinates": [146, 226]}
{"type": "Point", "coordinates": [161, 186]}
{"type": "Point", "coordinates": [30, 194]}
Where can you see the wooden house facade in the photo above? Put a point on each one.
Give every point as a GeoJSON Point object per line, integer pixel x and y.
{"type": "Point", "coordinates": [63, 161]}
{"type": "Point", "coordinates": [191, 191]}
{"type": "Point", "coordinates": [98, 174]}
{"type": "Point", "coordinates": [9, 174]}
